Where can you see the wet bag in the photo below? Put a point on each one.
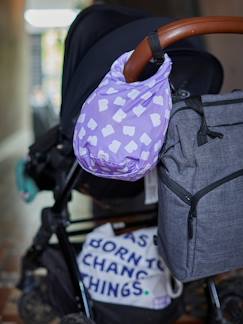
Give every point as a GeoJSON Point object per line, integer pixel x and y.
{"type": "Point", "coordinates": [122, 126]}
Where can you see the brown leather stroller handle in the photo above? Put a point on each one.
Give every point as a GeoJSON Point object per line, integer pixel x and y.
{"type": "Point", "coordinates": [176, 31]}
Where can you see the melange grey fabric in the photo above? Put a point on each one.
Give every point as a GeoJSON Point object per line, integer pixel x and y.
{"type": "Point", "coordinates": [200, 230]}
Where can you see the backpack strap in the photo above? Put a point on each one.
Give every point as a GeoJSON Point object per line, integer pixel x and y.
{"type": "Point", "coordinates": [202, 136]}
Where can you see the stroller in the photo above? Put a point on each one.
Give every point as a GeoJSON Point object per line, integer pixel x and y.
{"type": "Point", "coordinates": [52, 166]}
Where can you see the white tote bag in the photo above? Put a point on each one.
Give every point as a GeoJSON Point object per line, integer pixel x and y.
{"type": "Point", "coordinates": [126, 269]}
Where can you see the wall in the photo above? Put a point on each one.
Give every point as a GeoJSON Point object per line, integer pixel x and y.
{"type": "Point", "coordinates": [228, 48]}
{"type": "Point", "coordinates": [13, 70]}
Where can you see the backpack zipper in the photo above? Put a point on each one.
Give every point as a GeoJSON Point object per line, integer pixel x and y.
{"type": "Point", "coordinates": [192, 200]}
{"type": "Point", "coordinates": [183, 194]}
{"type": "Point", "coordinates": [201, 193]}
{"type": "Point", "coordinates": [208, 104]}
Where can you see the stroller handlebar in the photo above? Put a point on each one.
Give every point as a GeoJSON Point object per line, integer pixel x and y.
{"type": "Point", "coordinates": [176, 31]}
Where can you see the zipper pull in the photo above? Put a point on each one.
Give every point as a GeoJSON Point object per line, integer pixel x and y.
{"type": "Point", "coordinates": [191, 215]}
{"type": "Point", "coordinates": [214, 134]}
{"type": "Point", "coordinates": [190, 225]}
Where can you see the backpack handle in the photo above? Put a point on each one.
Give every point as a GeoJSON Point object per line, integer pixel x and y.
{"type": "Point", "coordinates": [176, 31]}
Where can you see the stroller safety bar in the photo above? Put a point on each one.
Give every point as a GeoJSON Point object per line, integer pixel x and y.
{"type": "Point", "coordinates": [177, 31]}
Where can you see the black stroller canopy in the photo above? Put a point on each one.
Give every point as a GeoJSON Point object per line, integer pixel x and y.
{"type": "Point", "coordinates": [88, 27]}
{"type": "Point", "coordinates": [97, 38]}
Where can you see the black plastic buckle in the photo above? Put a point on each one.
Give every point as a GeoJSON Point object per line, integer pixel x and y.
{"type": "Point", "coordinates": [157, 51]}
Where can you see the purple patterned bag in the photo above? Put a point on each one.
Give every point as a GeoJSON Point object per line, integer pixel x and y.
{"type": "Point", "coordinates": [122, 126]}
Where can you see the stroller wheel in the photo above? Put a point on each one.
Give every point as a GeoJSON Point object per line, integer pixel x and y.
{"type": "Point", "coordinates": [33, 310]}
{"type": "Point", "coordinates": [76, 318]}
{"type": "Point", "coordinates": [231, 300]}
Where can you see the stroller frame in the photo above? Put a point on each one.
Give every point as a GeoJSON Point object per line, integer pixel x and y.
{"type": "Point", "coordinates": [55, 219]}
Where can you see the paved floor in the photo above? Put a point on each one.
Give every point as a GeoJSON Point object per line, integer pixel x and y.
{"type": "Point", "coordinates": [18, 223]}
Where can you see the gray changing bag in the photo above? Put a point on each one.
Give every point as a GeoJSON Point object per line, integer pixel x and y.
{"type": "Point", "coordinates": [200, 230]}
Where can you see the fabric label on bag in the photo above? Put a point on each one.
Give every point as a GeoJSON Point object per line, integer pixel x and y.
{"type": "Point", "coordinates": [151, 187]}
{"type": "Point", "coordinates": [124, 269]}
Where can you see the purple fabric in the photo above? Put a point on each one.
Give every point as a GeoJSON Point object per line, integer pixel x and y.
{"type": "Point", "coordinates": [122, 126]}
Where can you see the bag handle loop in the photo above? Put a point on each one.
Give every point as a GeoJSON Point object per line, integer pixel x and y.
{"type": "Point", "coordinates": [173, 291]}
{"type": "Point", "coordinates": [176, 31]}
{"type": "Point", "coordinates": [202, 136]}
